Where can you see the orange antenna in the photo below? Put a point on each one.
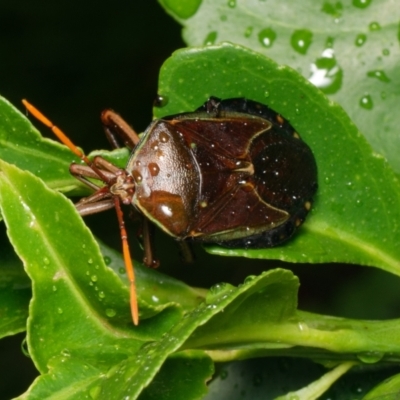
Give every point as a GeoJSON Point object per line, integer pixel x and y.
{"type": "Point", "coordinates": [124, 237]}
{"type": "Point", "coordinates": [57, 131]}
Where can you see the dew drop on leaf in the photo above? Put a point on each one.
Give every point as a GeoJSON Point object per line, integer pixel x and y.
{"type": "Point", "coordinates": [366, 102]}
{"type": "Point", "coordinates": [107, 260]}
{"type": "Point", "coordinates": [110, 312]}
{"type": "Point", "coordinates": [379, 74]}
{"type": "Point", "coordinates": [360, 39]}
{"type": "Point", "coordinates": [326, 74]}
{"type": "Point", "coordinates": [248, 31]}
{"type": "Point", "coordinates": [94, 278]}
{"type": "Point", "coordinates": [217, 291]}
{"type": "Point", "coordinates": [210, 38]}
{"type": "Point", "coordinates": [374, 26]}
{"type": "Point", "coordinates": [249, 279]}
{"type": "Point", "coordinates": [160, 101]}
{"type": "Point", "coordinates": [301, 40]}
{"type": "Point", "coordinates": [370, 357]}
{"type": "Point", "coordinates": [267, 37]}
{"type": "Point", "coordinates": [361, 3]}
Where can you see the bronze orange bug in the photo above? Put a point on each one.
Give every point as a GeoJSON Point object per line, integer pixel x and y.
{"type": "Point", "coordinates": [233, 172]}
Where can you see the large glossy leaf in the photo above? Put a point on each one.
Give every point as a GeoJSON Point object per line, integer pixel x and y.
{"type": "Point", "coordinates": [350, 50]}
{"type": "Point", "coordinates": [80, 334]}
{"type": "Point", "coordinates": [355, 218]}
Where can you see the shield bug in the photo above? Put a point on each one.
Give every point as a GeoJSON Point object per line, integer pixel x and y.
{"type": "Point", "coordinates": [233, 172]}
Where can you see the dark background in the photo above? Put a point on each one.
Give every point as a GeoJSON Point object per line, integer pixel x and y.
{"type": "Point", "coordinates": [72, 59]}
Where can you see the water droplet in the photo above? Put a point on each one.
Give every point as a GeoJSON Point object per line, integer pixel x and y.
{"type": "Point", "coordinates": [266, 94]}
{"type": "Point", "coordinates": [379, 74]}
{"type": "Point", "coordinates": [361, 3]}
{"type": "Point", "coordinates": [267, 37]}
{"type": "Point", "coordinates": [223, 374]}
{"type": "Point", "coordinates": [383, 95]}
{"type": "Point", "coordinates": [90, 261]}
{"type": "Point", "coordinates": [326, 73]}
{"type": "Point", "coordinates": [232, 3]}
{"type": "Point", "coordinates": [94, 278]}
{"type": "Point", "coordinates": [54, 288]}
{"type": "Point", "coordinates": [385, 52]}
{"type": "Point", "coordinates": [366, 102]}
{"type": "Point", "coordinates": [155, 298]}
{"type": "Point", "coordinates": [60, 310]}
{"type": "Point", "coordinates": [370, 357]}
{"type": "Point", "coordinates": [137, 176]}
{"type": "Point", "coordinates": [102, 295]}
{"type": "Point", "coordinates": [249, 278]}
{"type": "Point", "coordinates": [154, 169]}
{"type": "Point", "coordinates": [360, 39]}
{"type": "Point", "coordinates": [210, 38]}
{"type": "Point", "coordinates": [333, 9]}
{"type": "Point", "coordinates": [248, 31]}
{"type": "Point", "coordinates": [329, 42]}
{"type": "Point", "coordinates": [110, 312]}
{"type": "Point", "coordinates": [107, 260]}
{"type": "Point", "coordinates": [217, 291]}
{"type": "Point", "coordinates": [163, 137]}
{"type": "Point", "coordinates": [374, 26]}
{"type": "Point", "coordinates": [46, 261]}
{"type": "Point", "coordinates": [122, 270]}
{"type": "Point", "coordinates": [301, 40]}
{"type": "Point", "coordinates": [160, 101]}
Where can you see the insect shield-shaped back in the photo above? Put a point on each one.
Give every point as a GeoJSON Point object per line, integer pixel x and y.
{"type": "Point", "coordinates": [233, 172]}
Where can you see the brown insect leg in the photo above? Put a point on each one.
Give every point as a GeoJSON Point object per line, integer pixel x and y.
{"type": "Point", "coordinates": [115, 125]}
{"type": "Point", "coordinates": [148, 234]}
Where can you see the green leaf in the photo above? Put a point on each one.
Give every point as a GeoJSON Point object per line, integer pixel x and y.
{"type": "Point", "coordinates": [349, 50]}
{"type": "Point", "coordinates": [355, 218]}
{"type": "Point", "coordinates": [15, 292]}
{"type": "Point", "coordinates": [387, 390]}
{"type": "Point", "coordinates": [79, 324]}
{"type": "Point", "coordinates": [22, 145]}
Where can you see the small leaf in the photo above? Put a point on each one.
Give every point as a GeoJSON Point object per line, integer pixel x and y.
{"type": "Point", "coordinates": [22, 145]}
{"type": "Point", "coordinates": [355, 218]}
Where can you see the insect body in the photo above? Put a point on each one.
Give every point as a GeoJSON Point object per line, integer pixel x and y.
{"type": "Point", "coordinates": [233, 172]}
